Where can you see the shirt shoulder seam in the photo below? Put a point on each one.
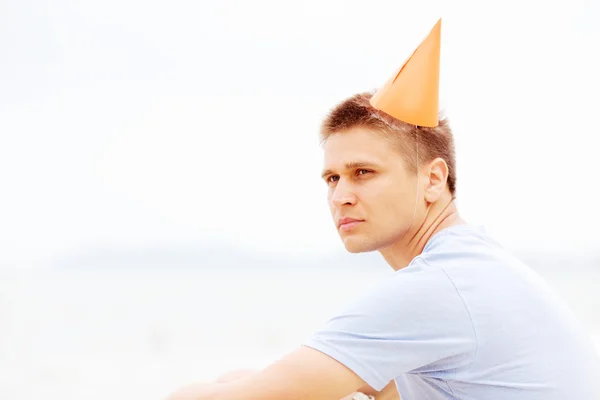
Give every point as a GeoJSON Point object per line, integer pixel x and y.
{"type": "Point", "coordinates": [464, 304]}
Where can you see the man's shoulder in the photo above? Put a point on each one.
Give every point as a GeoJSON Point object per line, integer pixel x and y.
{"type": "Point", "coordinates": [462, 245]}
{"type": "Point", "coordinates": [410, 288]}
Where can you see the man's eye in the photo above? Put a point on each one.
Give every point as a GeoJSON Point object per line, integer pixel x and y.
{"type": "Point", "coordinates": [363, 171]}
{"type": "Point", "coordinates": [333, 178]}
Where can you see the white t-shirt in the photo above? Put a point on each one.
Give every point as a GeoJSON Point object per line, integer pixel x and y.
{"type": "Point", "coordinates": [465, 320]}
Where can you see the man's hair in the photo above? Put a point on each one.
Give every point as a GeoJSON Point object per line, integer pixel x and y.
{"type": "Point", "coordinates": [412, 141]}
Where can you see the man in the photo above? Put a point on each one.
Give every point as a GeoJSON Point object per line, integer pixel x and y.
{"type": "Point", "coordinates": [460, 318]}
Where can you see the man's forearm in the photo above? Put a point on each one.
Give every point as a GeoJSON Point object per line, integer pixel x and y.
{"type": "Point", "coordinates": [390, 392]}
{"type": "Point", "coordinates": [387, 393]}
{"type": "Point", "coordinates": [202, 391]}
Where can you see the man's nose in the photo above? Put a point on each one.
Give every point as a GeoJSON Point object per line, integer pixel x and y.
{"type": "Point", "coordinates": [343, 194]}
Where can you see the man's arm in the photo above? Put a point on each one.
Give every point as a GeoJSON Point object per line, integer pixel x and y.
{"type": "Point", "coordinates": [305, 374]}
{"type": "Point", "coordinates": [387, 393]}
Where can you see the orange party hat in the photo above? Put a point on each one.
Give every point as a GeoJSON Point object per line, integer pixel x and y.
{"type": "Point", "coordinates": [412, 94]}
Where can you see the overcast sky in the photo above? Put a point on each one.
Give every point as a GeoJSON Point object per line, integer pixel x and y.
{"type": "Point", "coordinates": [134, 123]}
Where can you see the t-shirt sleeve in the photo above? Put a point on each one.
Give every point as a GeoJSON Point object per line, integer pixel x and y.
{"type": "Point", "coordinates": [415, 322]}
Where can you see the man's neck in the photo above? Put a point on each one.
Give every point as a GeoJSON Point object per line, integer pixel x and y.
{"type": "Point", "coordinates": [440, 216]}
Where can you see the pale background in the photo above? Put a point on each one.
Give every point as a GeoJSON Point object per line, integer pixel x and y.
{"type": "Point", "coordinates": [161, 213]}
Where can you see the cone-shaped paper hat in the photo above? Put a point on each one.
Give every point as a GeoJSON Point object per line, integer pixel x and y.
{"type": "Point", "coordinates": [412, 93]}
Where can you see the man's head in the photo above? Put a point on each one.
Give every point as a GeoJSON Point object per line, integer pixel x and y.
{"type": "Point", "coordinates": [371, 165]}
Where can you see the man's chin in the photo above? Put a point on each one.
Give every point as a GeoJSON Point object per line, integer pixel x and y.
{"type": "Point", "coordinates": [355, 245]}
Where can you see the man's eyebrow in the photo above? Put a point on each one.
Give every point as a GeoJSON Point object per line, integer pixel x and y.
{"type": "Point", "coordinates": [350, 165]}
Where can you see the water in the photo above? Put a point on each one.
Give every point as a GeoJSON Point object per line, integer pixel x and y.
{"type": "Point", "coordinates": [122, 332]}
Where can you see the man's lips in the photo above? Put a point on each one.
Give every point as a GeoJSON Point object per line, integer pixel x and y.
{"type": "Point", "coordinates": [345, 224]}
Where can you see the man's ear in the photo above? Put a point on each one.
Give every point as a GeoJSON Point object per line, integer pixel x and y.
{"type": "Point", "coordinates": [436, 174]}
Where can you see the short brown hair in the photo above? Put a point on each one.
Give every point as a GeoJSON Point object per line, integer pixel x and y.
{"type": "Point", "coordinates": [432, 143]}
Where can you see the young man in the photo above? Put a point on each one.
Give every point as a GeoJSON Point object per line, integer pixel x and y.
{"type": "Point", "coordinates": [460, 318]}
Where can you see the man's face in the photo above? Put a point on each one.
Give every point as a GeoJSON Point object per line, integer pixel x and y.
{"type": "Point", "coordinates": [371, 193]}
